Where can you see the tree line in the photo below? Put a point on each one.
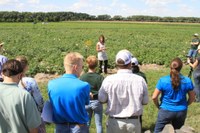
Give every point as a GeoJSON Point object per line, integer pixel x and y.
{"type": "Point", "coordinates": [14, 16]}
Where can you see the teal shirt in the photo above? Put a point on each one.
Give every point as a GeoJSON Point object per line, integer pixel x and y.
{"type": "Point", "coordinates": [18, 111]}
{"type": "Point", "coordinates": [94, 79]}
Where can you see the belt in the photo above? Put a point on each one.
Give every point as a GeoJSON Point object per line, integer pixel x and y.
{"type": "Point", "coordinates": [71, 123]}
{"type": "Point", "coordinates": [131, 117]}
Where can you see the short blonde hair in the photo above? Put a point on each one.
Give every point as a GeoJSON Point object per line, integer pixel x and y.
{"type": "Point", "coordinates": [92, 62]}
{"type": "Point", "coordinates": [72, 58]}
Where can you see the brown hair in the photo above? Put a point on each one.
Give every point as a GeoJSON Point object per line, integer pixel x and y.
{"type": "Point", "coordinates": [11, 68]}
{"type": "Point", "coordinates": [23, 61]}
{"type": "Point", "coordinates": [121, 64]}
{"type": "Point", "coordinates": [175, 68]}
{"type": "Point", "coordinates": [92, 62]}
{"type": "Point", "coordinates": [102, 36]}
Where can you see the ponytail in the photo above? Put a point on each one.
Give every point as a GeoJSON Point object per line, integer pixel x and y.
{"type": "Point", "coordinates": [175, 66]}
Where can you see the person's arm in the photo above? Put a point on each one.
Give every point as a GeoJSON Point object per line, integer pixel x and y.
{"type": "Point", "coordinates": [145, 94]}
{"type": "Point", "coordinates": [97, 47]}
{"type": "Point", "coordinates": [102, 95]}
{"type": "Point", "coordinates": [37, 95]}
{"type": "Point", "coordinates": [156, 93]}
{"type": "Point", "coordinates": [33, 130]}
{"type": "Point", "coordinates": [191, 97]}
{"type": "Point", "coordinates": [194, 65]}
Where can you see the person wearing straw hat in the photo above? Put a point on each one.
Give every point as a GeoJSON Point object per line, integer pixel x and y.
{"type": "Point", "coordinates": [124, 93]}
{"type": "Point", "coordinates": [3, 59]}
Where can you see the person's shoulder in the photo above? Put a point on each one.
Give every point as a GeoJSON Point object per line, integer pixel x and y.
{"type": "Point", "coordinates": [3, 57]}
{"type": "Point", "coordinates": [29, 79]}
{"type": "Point", "coordinates": [84, 75]}
{"type": "Point", "coordinates": [98, 43]}
{"type": "Point", "coordinates": [185, 79]}
{"type": "Point", "coordinates": [165, 78]}
{"type": "Point", "coordinates": [55, 79]}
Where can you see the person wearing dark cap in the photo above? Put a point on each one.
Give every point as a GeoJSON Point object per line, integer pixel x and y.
{"type": "Point", "coordinates": [124, 93]}
{"type": "Point", "coordinates": [18, 112]}
{"type": "Point", "coordinates": [136, 68]}
{"type": "Point", "coordinates": [194, 45]}
{"type": "Point", "coordinates": [3, 59]}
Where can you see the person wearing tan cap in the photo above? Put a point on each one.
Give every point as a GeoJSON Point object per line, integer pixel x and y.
{"type": "Point", "coordinates": [3, 59]}
{"type": "Point", "coordinates": [125, 94]}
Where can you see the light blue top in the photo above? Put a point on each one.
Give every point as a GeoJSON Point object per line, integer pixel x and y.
{"type": "Point", "coordinates": [68, 96]}
{"type": "Point", "coordinates": [31, 86]}
{"type": "Point", "coordinates": [174, 100]}
{"type": "Point", "coordinates": [3, 59]}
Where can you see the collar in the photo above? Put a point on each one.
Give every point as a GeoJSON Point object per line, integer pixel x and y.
{"type": "Point", "coordinates": [124, 71]}
{"type": "Point", "coordinates": [69, 75]}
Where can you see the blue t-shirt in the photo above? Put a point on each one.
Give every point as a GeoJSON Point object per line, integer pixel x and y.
{"type": "Point", "coordinates": [174, 100]}
{"type": "Point", "coordinates": [68, 96]}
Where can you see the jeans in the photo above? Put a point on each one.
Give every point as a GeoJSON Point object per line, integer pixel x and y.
{"type": "Point", "coordinates": [177, 119]}
{"type": "Point", "coordinates": [105, 66]}
{"type": "Point", "coordinates": [97, 108]}
{"type": "Point", "coordinates": [196, 76]}
{"type": "Point", "coordinates": [81, 128]}
{"type": "Point", "coordinates": [192, 53]}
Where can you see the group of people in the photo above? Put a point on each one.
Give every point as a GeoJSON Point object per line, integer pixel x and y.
{"type": "Point", "coordinates": [75, 97]}
{"type": "Point", "coordinates": [194, 62]}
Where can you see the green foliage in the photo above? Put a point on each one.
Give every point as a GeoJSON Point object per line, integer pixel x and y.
{"type": "Point", "coordinates": [14, 16]}
{"type": "Point", "coordinates": [45, 45]}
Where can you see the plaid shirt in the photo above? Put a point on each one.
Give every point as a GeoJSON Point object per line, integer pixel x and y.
{"type": "Point", "coordinates": [125, 93]}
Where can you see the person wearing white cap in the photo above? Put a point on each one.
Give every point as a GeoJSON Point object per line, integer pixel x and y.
{"type": "Point", "coordinates": [3, 59]}
{"type": "Point", "coordinates": [136, 69]}
{"type": "Point", "coordinates": [194, 44]}
{"type": "Point", "coordinates": [124, 93]}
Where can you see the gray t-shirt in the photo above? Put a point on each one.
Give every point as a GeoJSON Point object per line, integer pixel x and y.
{"type": "Point", "coordinates": [18, 112]}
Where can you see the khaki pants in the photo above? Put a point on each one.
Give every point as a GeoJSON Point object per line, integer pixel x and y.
{"type": "Point", "coordinates": [123, 125]}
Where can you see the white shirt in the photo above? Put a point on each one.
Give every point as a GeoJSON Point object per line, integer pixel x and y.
{"type": "Point", "coordinates": [102, 54]}
{"type": "Point", "coordinates": [125, 93]}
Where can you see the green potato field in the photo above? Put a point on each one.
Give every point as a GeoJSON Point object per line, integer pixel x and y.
{"type": "Point", "coordinates": [45, 46]}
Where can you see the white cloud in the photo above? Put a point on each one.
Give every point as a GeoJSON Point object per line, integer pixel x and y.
{"type": "Point", "coordinates": [160, 2]}
{"type": "Point", "coordinates": [34, 1]}
{"type": "Point", "coordinates": [7, 2]}
{"type": "Point", "coordinates": [46, 8]}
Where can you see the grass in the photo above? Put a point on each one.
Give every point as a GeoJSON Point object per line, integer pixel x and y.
{"type": "Point", "coordinates": [150, 111]}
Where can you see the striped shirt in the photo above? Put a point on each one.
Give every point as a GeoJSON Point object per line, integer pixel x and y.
{"type": "Point", "coordinates": [125, 93]}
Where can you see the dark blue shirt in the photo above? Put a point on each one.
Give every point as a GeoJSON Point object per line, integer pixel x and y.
{"type": "Point", "coordinates": [68, 96]}
{"type": "Point", "coordinates": [174, 100]}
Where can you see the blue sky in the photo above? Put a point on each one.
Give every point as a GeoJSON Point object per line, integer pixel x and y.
{"type": "Point", "coordinates": [174, 8]}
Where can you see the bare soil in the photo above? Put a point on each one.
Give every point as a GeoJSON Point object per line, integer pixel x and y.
{"type": "Point", "coordinates": [42, 77]}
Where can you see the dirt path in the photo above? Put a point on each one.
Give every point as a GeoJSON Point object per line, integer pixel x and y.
{"type": "Point", "coordinates": [42, 77]}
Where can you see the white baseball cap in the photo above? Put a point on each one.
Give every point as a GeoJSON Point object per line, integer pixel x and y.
{"type": "Point", "coordinates": [196, 34]}
{"type": "Point", "coordinates": [135, 61]}
{"type": "Point", "coordinates": [124, 55]}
